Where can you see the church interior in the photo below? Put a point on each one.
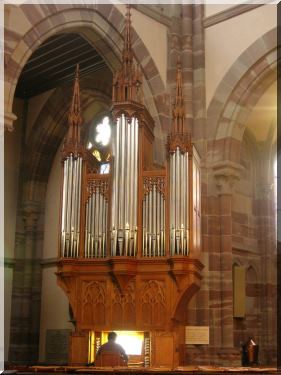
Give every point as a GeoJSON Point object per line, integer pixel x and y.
{"type": "Point", "coordinates": [140, 179]}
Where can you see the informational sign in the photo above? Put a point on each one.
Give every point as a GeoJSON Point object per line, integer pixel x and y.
{"type": "Point", "coordinates": [197, 335]}
{"type": "Point", "coordinates": [57, 346]}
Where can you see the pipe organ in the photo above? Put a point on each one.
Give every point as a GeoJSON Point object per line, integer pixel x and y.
{"type": "Point", "coordinates": [130, 239]}
{"type": "Point", "coordinates": [70, 220]}
{"type": "Point", "coordinates": [125, 187]}
{"type": "Point", "coordinates": [153, 216]}
{"type": "Point", "coordinates": [96, 218]}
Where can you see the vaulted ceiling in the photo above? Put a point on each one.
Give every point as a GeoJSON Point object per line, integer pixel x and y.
{"type": "Point", "coordinates": [54, 62]}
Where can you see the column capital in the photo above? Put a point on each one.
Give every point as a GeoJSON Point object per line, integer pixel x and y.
{"type": "Point", "coordinates": [226, 174]}
{"type": "Point", "coordinates": [30, 216]}
{"type": "Point", "coordinates": [9, 119]}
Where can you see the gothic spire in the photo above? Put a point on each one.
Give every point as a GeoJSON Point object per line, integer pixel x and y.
{"type": "Point", "coordinates": [74, 115]}
{"type": "Point", "coordinates": [178, 137]}
{"type": "Point", "coordinates": [178, 110]}
{"type": "Point", "coordinates": [128, 79]}
{"type": "Point", "coordinates": [127, 52]}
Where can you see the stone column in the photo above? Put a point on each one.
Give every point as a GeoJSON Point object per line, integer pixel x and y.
{"type": "Point", "coordinates": [187, 64]}
{"type": "Point", "coordinates": [266, 224]}
{"type": "Point", "coordinates": [225, 174]}
{"type": "Point", "coordinates": [25, 314]}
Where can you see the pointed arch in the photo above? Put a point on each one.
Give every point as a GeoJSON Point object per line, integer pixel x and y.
{"type": "Point", "coordinates": [102, 25]}
{"type": "Point", "coordinates": [232, 104]}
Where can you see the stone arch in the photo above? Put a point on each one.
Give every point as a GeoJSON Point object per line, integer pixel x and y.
{"type": "Point", "coordinates": [100, 24]}
{"type": "Point", "coordinates": [236, 263]}
{"type": "Point", "coordinates": [251, 274]}
{"type": "Point", "coordinates": [231, 104]}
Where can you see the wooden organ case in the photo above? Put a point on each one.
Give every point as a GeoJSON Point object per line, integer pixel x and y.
{"type": "Point", "coordinates": [130, 239]}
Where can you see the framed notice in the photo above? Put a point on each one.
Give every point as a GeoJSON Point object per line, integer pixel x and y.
{"type": "Point", "coordinates": [197, 335]}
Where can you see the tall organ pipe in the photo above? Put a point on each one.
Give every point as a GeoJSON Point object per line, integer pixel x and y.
{"type": "Point", "coordinates": [64, 205]}
{"type": "Point", "coordinates": [179, 203]}
{"type": "Point", "coordinates": [124, 194]}
{"type": "Point", "coordinates": [96, 222]}
{"type": "Point", "coordinates": [71, 201]}
{"type": "Point", "coordinates": [153, 220]}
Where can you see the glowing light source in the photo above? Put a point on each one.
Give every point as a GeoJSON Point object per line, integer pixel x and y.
{"type": "Point", "coordinates": [104, 132]}
{"type": "Point", "coordinates": [104, 168]}
{"type": "Point", "coordinates": [89, 145]}
{"type": "Point", "coordinates": [131, 341]}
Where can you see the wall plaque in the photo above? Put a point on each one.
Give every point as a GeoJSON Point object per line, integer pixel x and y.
{"type": "Point", "coordinates": [197, 335]}
{"type": "Point", "coordinates": [57, 346]}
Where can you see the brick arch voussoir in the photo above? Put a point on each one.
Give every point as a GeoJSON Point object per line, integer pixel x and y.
{"type": "Point", "coordinates": [235, 121]}
{"type": "Point", "coordinates": [52, 20]}
{"type": "Point", "coordinates": [260, 48]}
{"type": "Point", "coordinates": [227, 117]}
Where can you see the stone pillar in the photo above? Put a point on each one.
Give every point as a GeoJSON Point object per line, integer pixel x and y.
{"type": "Point", "coordinates": [25, 314]}
{"type": "Point", "coordinates": [225, 174]}
{"type": "Point", "coordinates": [187, 64]}
{"type": "Point", "coordinates": [266, 223]}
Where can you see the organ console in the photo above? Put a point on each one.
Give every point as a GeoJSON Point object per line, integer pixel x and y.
{"type": "Point", "coordinates": [130, 239]}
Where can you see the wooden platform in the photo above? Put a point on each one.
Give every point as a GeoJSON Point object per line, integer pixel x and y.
{"type": "Point", "coordinates": [144, 370]}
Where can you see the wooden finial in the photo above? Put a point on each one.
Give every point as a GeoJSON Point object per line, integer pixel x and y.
{"type": "Point", "coordinates": [74, 115]}
{"type": "Point", "coordinates": [75, 103]}
{"type": "Point", "coordinates": [128, 28]}
{"type": "Point", "coordinates": [178, 138]}
{"type": "Point", "coordinates": [127, 81]}
{"type": "Point", "coordinates": [178, 111]}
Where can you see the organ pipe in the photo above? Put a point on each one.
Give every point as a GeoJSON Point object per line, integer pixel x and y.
{"type": "Point", "coordinates": [131, 203]}
{"type": "Point", "coordinates": [179, 208]}
{"type": "Point", "coordinates": [96, 221]}
{"type": "Point", "coordinates": [71, 200]}
{"type": "Point", "coordinates": [125, 175]}
{"type": "Point", "coordinates": [153, 217]}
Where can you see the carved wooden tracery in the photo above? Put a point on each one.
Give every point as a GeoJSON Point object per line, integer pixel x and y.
{"type": "Point", "coordinates": [157, 181]}
{"type": "Point", "coordinates": [123, 306]}
{"type": "Point", "coordinates": [94, 303]}
{"type": "Point", "coordinates": [153, 303]}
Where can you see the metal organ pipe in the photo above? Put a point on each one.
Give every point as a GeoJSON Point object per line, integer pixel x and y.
{"type": "Point", "coordinates": [153, 218]}
{"type": "Point", "coordinates": [64, 204]}
{"type": "Point", "coordinates": [179, 203]}
{"type": "Point", "coordinates": [71, 201]}
{"type": "Point", "coordinates": [96, 219]}
{"type": "Point", "coordinates": [124, 208]}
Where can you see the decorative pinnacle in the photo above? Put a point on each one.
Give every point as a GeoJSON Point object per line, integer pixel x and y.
{"type": "Point", "coordinates": [75, 104]}
{"type": "Point", "coordinates": [127, 80]}
{"type": "Point", "coordinates": [74, 115]}
{"type": "Point", "coordinates": [178, 110]}
{"type": "Point", "coordinates": [128, 29]}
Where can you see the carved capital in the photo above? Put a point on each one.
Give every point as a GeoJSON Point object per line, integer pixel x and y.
{"type": "Point", "coordinates": [30, 216]}
{"type": "Point", "coordinates": [226, 174]}
{"type": "Point", "coordinates": [30, 221]}
{"type": "Point", "coordinates": [9, 119]}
